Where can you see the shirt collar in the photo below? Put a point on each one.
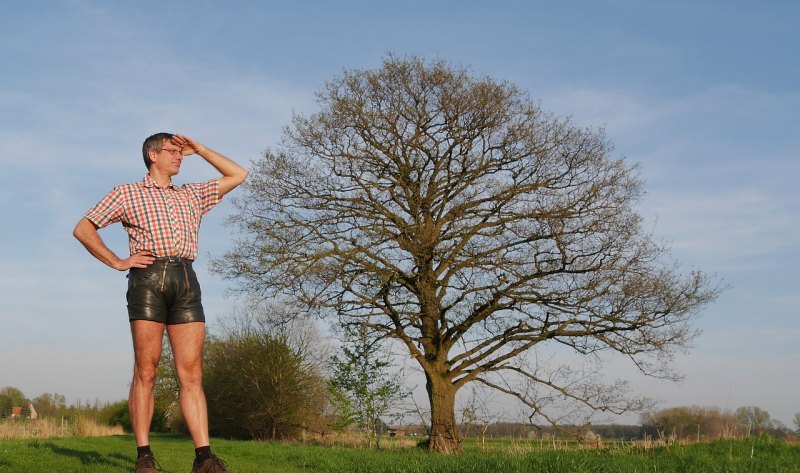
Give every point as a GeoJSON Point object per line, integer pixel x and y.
{"type": "Point", "coordinates": [148, 181]}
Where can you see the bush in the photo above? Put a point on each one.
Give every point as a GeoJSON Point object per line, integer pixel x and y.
{"type": "Point", "coordinates": [262, 384]}
{"type": "Point", "coordinates": [693, 423]}
{"type": "Point", "coordinates": [116, 414]}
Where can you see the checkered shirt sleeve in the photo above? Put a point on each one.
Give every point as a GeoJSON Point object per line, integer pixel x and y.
{"type": "Point", "coordinates": [109, 210]}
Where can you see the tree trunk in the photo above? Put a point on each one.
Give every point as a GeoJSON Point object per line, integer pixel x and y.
{"type": "Point", "coordinates": [444, 431]}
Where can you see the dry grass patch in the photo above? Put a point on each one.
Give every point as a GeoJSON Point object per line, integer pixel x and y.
{"type": "Point", "coordinates": [50, 428]}
{"type": "Point", "coordinates": [362, 441]}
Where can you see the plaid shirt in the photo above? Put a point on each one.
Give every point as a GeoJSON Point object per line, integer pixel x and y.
{"type": "Point", "coordinates": [164, 221]}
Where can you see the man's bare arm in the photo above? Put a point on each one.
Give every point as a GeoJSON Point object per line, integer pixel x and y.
{"type": "Point", "coordinates": [233, 174]}
{"type": "Point", "coordinates": [86, 233]}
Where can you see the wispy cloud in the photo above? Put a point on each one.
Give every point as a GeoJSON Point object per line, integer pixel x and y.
{"type": "Point", "coordinates": [717, 167]}
{"type": "Point", "coordinates": [731, 229]}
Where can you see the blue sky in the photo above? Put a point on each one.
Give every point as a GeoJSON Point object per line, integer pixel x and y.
{"type": "Point", "coordinates": [703, 94]}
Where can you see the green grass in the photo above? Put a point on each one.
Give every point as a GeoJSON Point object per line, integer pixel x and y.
{"type": "Point", "coordinates": [116, 455]}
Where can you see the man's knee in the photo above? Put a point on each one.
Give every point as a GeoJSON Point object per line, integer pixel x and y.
{"type": "Point", "coordinates": [191, 375]}
{"type": "Point", "coordinates": [145, 373]}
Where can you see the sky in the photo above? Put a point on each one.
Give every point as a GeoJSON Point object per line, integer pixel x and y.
{"type": "Point", "coordinates": [703, 94]}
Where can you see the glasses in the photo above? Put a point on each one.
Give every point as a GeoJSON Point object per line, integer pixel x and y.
{"type": "Point", "coordinates": [172, 151]}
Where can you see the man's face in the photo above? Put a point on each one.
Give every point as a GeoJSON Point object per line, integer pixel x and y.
{"type": "Point", "coordinates": [169, 159]}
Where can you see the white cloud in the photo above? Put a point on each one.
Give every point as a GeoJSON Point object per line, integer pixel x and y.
{"type": "Point", "coordinates": [732, 229]}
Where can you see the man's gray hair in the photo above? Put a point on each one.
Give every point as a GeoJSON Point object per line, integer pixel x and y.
{"type": "Point", "coordinates": [153, 143]}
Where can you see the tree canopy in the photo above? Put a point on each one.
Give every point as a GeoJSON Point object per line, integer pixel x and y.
{"type": "Point", "coordinates": [451, 213]}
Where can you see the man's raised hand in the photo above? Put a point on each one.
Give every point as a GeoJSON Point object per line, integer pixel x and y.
{"type": "Point", "coordinates": [187, 145]}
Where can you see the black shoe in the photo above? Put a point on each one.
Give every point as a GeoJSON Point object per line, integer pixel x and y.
{"type": "Point", "coordinates": [210, 465]}
{"type": "Point", "coordinates": [147, 464]}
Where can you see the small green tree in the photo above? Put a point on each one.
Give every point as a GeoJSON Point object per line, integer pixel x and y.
{"type": "Point", "coordinates": [362, 388]}
{"type": "Point", "coordinates": [754, 418]}
{"type": "Point", "coordinates": [12, 397]}
{"type": "Point", "coordinates": [116, 413]}
{"type": "Point", "coordinates": [797, 422]}
{"type": "Point", "coordinates": [50, 405]}
{"type": "Point", "coordinates": [692, 422]}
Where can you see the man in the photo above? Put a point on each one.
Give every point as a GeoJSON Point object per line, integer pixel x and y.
{"type": "Point", "coordinates": [162, 222]}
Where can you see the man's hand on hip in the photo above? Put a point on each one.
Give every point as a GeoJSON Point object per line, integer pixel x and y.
{"type": "Point", "coordinates": [141, 259]}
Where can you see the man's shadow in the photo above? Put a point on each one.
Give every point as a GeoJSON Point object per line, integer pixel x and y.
{"type": "Point", "coordinates": [88, 457]}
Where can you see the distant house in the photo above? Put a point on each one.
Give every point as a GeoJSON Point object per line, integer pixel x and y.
{"type": "Point", "coordinates": [17, 412]}
{"type": "Point", "coordinates": [590, 437]}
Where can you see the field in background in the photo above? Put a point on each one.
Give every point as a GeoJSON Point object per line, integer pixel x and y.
{"type": "Point", "coordinates": [49, 428]}
{"type": "Point", "coordinates": [116, 455]}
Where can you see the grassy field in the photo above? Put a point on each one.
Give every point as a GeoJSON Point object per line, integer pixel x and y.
{"type": "Point", "coordinates": [116, 455]}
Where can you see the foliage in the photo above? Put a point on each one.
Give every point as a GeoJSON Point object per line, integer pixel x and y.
{"type": "Point", "coordinates": [117, 413]}
{"type": "Point", "coordinates": [12, 397]}
{"type": "Point", "coordinates": [697, 423]}
{"type": "Point", "coordinates": [756, 420]}
{"type": "Point", "coordinates": [453, 214]}
{"type": "Point", "coordinates": [167, 415]}
{"type": "Point", "coordinates": [693, 423]}
{"type": "Point", "coordinates": [361, 386]}
{"type": "Point", "coordinates": [50, 404]}
{"type": "Point", "coordinates": [53, 406]}
{"type": "Point", "coordinates": [263, 381]}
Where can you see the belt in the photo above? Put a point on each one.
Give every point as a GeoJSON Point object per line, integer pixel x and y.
{"type": "Point", "coordinates": [173, 259]}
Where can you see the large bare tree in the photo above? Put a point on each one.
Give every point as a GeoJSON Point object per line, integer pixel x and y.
{"type": "Point", "coordinates": [451, 213]}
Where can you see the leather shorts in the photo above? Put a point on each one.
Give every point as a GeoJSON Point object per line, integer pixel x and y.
{"type": "Point", "coordinates": [167, 291]}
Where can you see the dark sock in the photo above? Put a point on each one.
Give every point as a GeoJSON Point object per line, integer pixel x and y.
{"type": "Point", "coordinates": [142, 451]}
{"type": "Point", "coordinates": [202, 454]}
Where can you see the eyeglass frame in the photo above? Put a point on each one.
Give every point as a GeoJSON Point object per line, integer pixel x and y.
{"type": "Point", "coordinates": [173, 152]}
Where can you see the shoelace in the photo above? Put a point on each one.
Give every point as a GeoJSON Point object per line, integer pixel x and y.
{"type": "Point", "coordinates": [219, 462]}
{"type": "Point", "coordinates": [149, 462]}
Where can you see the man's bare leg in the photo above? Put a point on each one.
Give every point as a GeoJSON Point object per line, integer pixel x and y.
{"type": "Point", "coordinates": [147, 338]}
{"type": "Point", "coordinates": [187, 348]}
